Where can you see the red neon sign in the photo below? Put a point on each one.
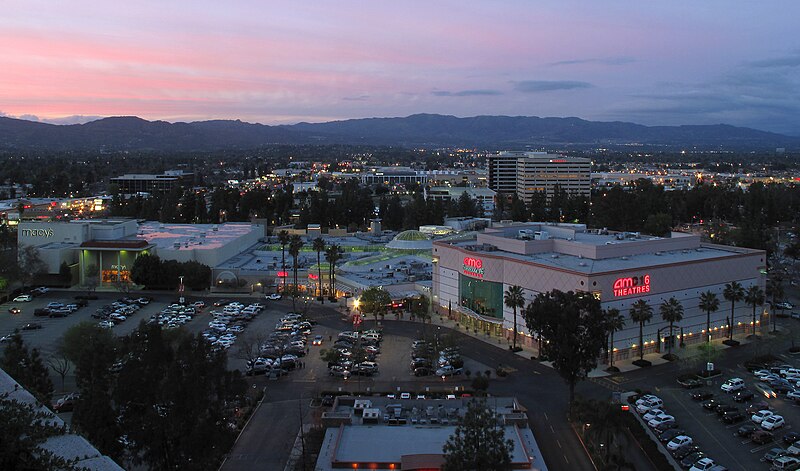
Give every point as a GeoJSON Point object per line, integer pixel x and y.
{"type": "Point", "coordinates": [283, 274]}
{"type": "Point", "coordinates": [473, 266]}
{"type": "Point", "coordinates": [312, 276]}
{"type": "Point", "coordinates": [632, 285]}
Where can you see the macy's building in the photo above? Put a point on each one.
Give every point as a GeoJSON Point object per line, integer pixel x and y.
{"type": "Point", "coordinates": [470, 277]}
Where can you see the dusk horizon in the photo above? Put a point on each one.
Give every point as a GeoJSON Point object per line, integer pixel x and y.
{"type": "Point", "coordinates": [671, 64]}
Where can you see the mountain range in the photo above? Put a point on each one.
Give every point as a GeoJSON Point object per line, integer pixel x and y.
{"type": "Point", "coordinates": [419, 130]}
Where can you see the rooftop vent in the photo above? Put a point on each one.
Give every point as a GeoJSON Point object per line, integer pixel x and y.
{"type": "Point", "coordinates": [582, 264]}
{"type": "Point", "coordinates": [624, 257]}
{"type": "Point", "coordinates": [555, 255]}
{"type": "Point", "coordinates": [658, 253]}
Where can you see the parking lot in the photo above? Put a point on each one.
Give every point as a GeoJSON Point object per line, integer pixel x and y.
{"type": "Point", "coordinates": [719, 440]}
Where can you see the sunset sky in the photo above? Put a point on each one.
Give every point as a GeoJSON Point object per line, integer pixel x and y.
{"type": "Point", "coordinates": [665, 62]}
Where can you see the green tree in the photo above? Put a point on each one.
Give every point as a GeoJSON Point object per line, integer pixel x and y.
{"type": "Point", "coordinates": [25, 428]}
{"type": "Point", "coordinates": [65, 274]}
{"type": "Point", "coordinates": [671, 311]}
{"type": "Point", "coordinates": [575, 329]}
{"type": "Point", "coordinates": [283, 238]}
{"type": "Point", "coordinates": [319, 247]}
{"type": "Point", "coordinates": [27, 368]}
{"type": "Point", "coordinates": [616, 322]}
{"type": "Point", "coordinates": [30, 264]}
{"type": "Point", "coordinates": [659, 224]}
{"type": "Point", "coordinates": [176, 400]}
{"type": "Point", "coordinates": [374, 300]}
{"type": "Point", "coordinates": [91, 278]}
{"type": "Point", "coordinates": [641, 313]}
{"type": "Point", "coordinates": [733, 292]}
{"type": "Point", "coordinates": [708, 304]}
{"type": "Point", "coordinates": [754, 297]}
{"type": "Point", "coordinates": [420, 307]}
{"type": "Point", "coordinates": [514, 298]}
{"type": "Point", "coordinates": [478, 443]}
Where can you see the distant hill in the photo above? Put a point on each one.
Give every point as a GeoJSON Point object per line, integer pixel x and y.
{"type": "Point", "coordinates": [420, 130]}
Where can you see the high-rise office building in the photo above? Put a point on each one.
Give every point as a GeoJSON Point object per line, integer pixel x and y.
{"type": "Point", "coordinates": [527, 173]}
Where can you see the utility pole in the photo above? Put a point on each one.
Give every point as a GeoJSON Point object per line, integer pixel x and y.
{"type": "Point", "coordinates": [302, 433]}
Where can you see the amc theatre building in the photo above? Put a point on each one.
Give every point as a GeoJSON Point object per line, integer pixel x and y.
{"type": "Point", "coordinates": [470, 277]}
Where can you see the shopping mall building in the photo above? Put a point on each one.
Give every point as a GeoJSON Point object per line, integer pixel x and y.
{"type": "Point", "coordinates": [112, 245]}
{"type": "Point", "coordinates": [470, 277]}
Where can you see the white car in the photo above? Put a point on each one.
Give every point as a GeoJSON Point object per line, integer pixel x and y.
{"type": "Point", "coordinates": [652, 414]}
{"type": "Point", "coordinates": [732, 385]}
{"type": "Point", "coordinates": [759, 416]}
{"type": "Point", "coordinates": [660, 419]}
{"type": "Point", "coordinates": [651, 404]}
{"type": "Point", "coordinates": [23, 298]}
{"type": "Point", "coordinates": [793, 395]}
{"type": "Point", "coordinates": [405, 395]}
{"type": "Point", "coordinates": [273, 296]}
{"type": "Point", "coordinates": [773, 422]}
{"type": "Point", "coordinates": [678, 442]}
{"type": "Point", "coordinates": [703, 464]}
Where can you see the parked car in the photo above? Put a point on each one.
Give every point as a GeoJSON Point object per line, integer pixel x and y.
{"type": "Point", "coordinates": [660, 419]}
{"type": "Point", "coordinates": [692, 458]}
{"type": "Point", "coordinates": [746, 430]}
{"type": "Point", "coordinates": [23, 298]}
{"type": "Point", "coordinates": [423, 371]}
{"type": "Point", "coordinates": [757, 406]}
{"type": "Point", "coordinates": [669, 435]}
{"type": "Point", "coordinates": [685, 451]}
{"type": "Point", "coordinates": [650, 404]}
{"type": "Point", "coordinates": [759, 416]}
{"type": "Point", "coordinates": [762, 437]}
{"type": "Point", "coordinates": [678, 442]}
{"type": "Point", "coordinates": [794, 395]}
{"type": "Point", "coordinates": [690, 383]}
{"type": "Point", "coordinates": [787, 463]}
{"type": "Point", "coordinates": [702, 395]}
{"type": "Point", "coordinates": [743, 395]}
{"type": "Point", "coordinates": [773, 422]}
{"type": "Point", "coordinates": [791, 437]}
{"type": "Point", "coordinates": [652, 414]}
{"type": "Point", "coordinates": [14, 310]}
{"type": "Point", "coordinates": [733, 417]}
{"type": "Point", "coordinates": [773, 453]}
{"type": "Point", "coordinates": [712, 404]}
{"type": "Point", "coordinates": [66, 403]}
{"type": "Point", "coordinates": [31, 326]}
{"type": "Point", "coordinates": [732, 385]}
{"type": "Point", "coordinates": [448, 370]}
{"type": "Point", "coordinates": [723, 408]}
{"type": "Point", "coordinates": [703, 464]}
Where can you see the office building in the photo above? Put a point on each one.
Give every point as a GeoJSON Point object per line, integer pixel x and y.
{"type": "Point", "coordinates": [130, 184]}
{"type": "Point", "coordinates": [528, 173]}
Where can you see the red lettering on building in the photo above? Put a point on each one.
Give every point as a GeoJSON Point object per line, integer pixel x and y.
{"type": "Point", "coordinates": [473, 266]}
{"type": "Point", "coordinates": [631, 285]}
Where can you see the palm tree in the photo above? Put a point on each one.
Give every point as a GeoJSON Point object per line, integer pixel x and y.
{"type": "Point", "coordinates": [283, 238]}
{"type": "Point", "coordinates": [672, 312]}
{"type": "Point", "coordinates": [754, 297]}
{"type": "Point", "coordinates": [319, 246]}
{"type": "Point", "coordinates": [295, 244]}
{"type": "Point", "coordinates": [708, 303]}
{"type": "Point", "coordinates": [775, 290]}
{"type": "Point", "coordinates": [514, 298]}
{"type": "Point", "coordinates": [616, 322]}
{"type": "Point", "coordinates": [333, 254]}
{"type": "Point", "coordinates": [733, 292]}
{"type": "Point", "coordinates": [641, 313]}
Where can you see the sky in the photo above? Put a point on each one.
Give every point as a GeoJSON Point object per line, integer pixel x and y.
{"type": "Point", "coordinates": [665, 62]}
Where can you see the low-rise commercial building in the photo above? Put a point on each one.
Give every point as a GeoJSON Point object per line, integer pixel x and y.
{"type": "Point", "coordinates": [470, 277]}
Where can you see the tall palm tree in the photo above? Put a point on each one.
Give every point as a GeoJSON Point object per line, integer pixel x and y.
{"type": "Point", "coordinates": [514, 298]}
{"type": "Point", "coordinates": [708, 303]}
{"type": "Point", "coordinates": [333, 254]}
{"type": "Point", "coordinates": [672, 312]}
{"type": "Point", "coordinates": [733, 292]}
{"type": "Point", "coordinates": [775, 290]}
{"type": "Point", "coordinates": [754, 297]}
{"type": "Point", "coordinates": [283, 238]}
{"type": "Point", "coordinates": [295, 244]}
{"type": "Point", "coordinates": [641, 313]}
{"type": "Point", "coordinates": [616, 322]}
{"type": "Point", "coordinates": [319, 246]}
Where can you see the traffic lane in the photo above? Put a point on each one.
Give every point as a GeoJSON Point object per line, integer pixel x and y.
{"type": "Point", "coordinates": [267, 440]}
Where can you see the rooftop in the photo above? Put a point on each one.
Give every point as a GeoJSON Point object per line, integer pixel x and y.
{"type": "Point", "coordinates": [192, 236]}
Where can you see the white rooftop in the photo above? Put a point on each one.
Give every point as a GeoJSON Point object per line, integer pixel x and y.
{"type": "Point", "coordinates": [192, 236]}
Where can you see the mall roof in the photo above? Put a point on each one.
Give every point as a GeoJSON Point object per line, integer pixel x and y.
{"type": "Point", "coordinates": [192, 236]}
